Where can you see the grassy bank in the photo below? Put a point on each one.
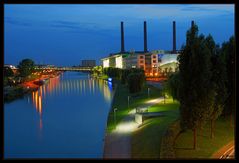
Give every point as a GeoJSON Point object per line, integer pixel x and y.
{"type": "Point", "coordinates": [206, 146]}
{"type": "Point", "coordinates": [146, 140]}
{"type": "Point", "coordinates": [120, 102]}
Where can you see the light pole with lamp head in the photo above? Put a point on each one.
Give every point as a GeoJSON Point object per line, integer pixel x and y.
{"type": "Point", "coordinates": [148, 92]}
{"type": "Point", "coordinates": [128, 102]}
{"type": "Point", "coordinates": [115, 109]}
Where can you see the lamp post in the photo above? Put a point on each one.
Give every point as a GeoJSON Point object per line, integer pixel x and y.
{"type": "Point", "coordinates": [148, 92]}
{"type": "Point", "coordinates": [115, 115]}
{"type": "Point", "coordinates": [128, 102]}
{"type": "Point", "coordinates": [164, 98]}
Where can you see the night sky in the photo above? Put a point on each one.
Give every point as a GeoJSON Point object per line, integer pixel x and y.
{"type": "Point", "coordinates": [63, 35]}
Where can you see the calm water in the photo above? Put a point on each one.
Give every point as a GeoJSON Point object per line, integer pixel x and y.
{"type": "Point", "coordinates": [65, 118]}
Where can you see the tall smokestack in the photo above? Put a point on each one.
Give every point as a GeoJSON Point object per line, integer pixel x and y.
{"type": "Point", "coordinates": [145, 37]}
{"type": "Point", "coordinates": [122, 37]}
{"type": "Point", "coordinates": [192, 23]}
{"type": "Point", "coordinates": [174, 37]}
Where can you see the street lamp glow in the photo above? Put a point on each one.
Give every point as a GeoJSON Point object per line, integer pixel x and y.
{"type": "Point", "coordinates": [127, 127]}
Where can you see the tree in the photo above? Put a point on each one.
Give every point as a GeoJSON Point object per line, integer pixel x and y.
{"type": "Point", "coordinates": [112, 72]}
{"type": "Point", "coordinates": [136, 82]}
{"type": "Point", "coordinates": [26, 67]}
{"type": "Point", "coordinates": [194, 92]}
{"type": "Point", "coordinates": [218, 79]}
{"type": "Point", "coordinates": [173, 84]}
{"type": "Point", "coordinates": [228, 55]}
{"type": "Point", "coordinates": [97, 70]}
{"type": "Point", "coordinates": [124, 76]}
{"type": "Point", "coordinates": [8, 72]}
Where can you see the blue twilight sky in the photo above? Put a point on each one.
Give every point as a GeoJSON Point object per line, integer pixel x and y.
{"type": "Point", "coordinates": [63, 35]}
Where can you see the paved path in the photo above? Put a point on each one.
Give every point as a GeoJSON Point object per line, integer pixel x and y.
{"type": "Point", "coordinates": [118, 142]}
{"type": "Point", "coordinates": [226, 152]}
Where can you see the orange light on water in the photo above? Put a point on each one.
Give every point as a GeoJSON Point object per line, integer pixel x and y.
{"type": "Point", "coordinates": [36, 100]}
{"type": "Point", "coordinates": [40, 105]}
{"type": "Point", "coordinates": [33, 96]}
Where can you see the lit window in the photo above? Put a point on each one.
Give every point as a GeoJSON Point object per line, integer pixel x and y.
{"type": "Point", "coordinates": [118, 62]}
{"type": "Point", "coordinates": [106, 63]}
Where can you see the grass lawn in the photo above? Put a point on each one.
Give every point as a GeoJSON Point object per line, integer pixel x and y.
{"type": "Point", "coordinates": [120, 102]}
{"type": "Point", "coordinates": [146, 140]}
{"type": "Point", "coordinates": [206, 146]}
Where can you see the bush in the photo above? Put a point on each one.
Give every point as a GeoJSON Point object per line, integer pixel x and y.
{"type": "Point", "coordinates": [135, 82]}
{"type": "Point", "coordinates": [7, 72]}
{"type": "Point", "coordinates": [17, 92]}
{"type": "Point", "coordinates": [112, 72]}
{"type": "Point", "coordinates": [125, 73]}
{"type": "Point", "coordinates": [167, 145]}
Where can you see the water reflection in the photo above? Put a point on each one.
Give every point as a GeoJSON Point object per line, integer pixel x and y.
{"type": "Point", "coordinates": [40, 94]}
{"type": "Point", "coordinates": [72, 86]}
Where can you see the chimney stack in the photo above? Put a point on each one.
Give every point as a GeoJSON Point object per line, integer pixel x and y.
{"type": "Point", "coordinates": [174, 37]}
{"type": "Point", "coordinates": [122, 37]}
{"type": "Point", "coordinates": [145, 37]}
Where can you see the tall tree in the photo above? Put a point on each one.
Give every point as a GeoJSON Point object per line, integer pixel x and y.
{"type": "Point", "coordinates": [195, 94]}
{"type": "Point", "coordinates": [136, 81]}
{"type": "Point", "coordinates": [26, 67]}
{"type": "Point", "coordinates": [228, 55]}
{"type": "Point", "coordinates": [218, 79]}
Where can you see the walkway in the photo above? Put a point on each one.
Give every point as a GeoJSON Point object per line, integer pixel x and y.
{"type": "Point", "coordinates": [118, 142]}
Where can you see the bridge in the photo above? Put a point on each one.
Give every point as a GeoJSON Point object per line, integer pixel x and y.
{"type": "Point", "coordinates": [86, 69]}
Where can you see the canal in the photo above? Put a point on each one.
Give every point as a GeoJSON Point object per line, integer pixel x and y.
{"type": "Point", "coordinates": [64, 118]}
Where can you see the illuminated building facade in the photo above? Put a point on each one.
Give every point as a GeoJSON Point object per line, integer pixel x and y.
{"type": "Point", "coordinates": [9, 66]}
{"type": "Point", "coordinates": [154, 63]}
{"type": "Point", "coordinates": [115, 61]}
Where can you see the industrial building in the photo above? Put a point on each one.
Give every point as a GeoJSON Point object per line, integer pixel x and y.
{"type": "Point", "coordinates": [149, 61]}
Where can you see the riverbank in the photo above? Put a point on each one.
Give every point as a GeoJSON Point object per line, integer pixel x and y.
{"type": "Point", "coordinates": [12, 93]}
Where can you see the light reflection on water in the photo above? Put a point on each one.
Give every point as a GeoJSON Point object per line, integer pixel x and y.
{"type": "Point", "coordinates": [80, 87]}
{"type": "Point", "coordinates": [61, 87]}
